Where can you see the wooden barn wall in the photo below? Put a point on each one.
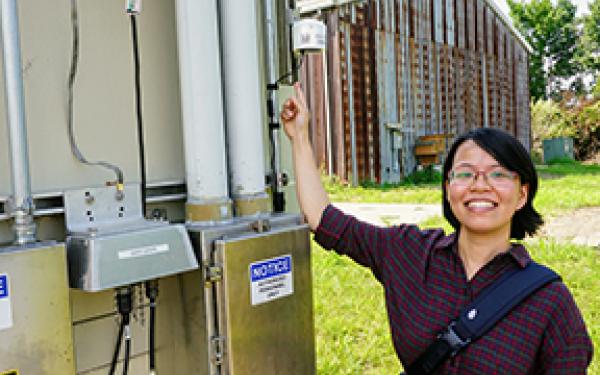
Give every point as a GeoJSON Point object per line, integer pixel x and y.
{"type": "Point", "coordinates": [399, 69]}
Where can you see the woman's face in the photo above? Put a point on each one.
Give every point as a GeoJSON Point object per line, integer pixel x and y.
{"type": "Point", "coordinates": [483, 195]}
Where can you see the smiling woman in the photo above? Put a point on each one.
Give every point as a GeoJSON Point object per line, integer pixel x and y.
{"type": "Point", "coordinates": [496, 208]}
{"type": "Point", "coordinates": [488, 187]}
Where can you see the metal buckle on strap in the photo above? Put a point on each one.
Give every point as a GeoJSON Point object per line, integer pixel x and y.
{"type": "Point", "coordinates": [453, 339]}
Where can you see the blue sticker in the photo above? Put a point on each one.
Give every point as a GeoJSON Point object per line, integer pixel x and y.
{"type": "Point", "coordinates": [3, 286]}
{"type": "Point", "coordinates": [270, 268]}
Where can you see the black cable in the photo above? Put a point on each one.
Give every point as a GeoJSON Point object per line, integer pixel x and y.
{"type": "Point", "coordinates": [294, 72]}
{"type": "Point", "coordinates": [124, 306]}
{"type": "Point", "coordinates": [115, 358]}
{"type": "Point", "coordinates": [127, 351]}
{"type": "Point", "coordinates": [152, 335]}
{"type": "Point", "coordinates": [138, 108]}
{"type": "Point", "coordinates": [151, 287]}
{"type": "Point", "coordinates": [72, 74]}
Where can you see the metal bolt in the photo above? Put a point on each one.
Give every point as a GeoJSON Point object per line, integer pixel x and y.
{"type": "Point", "coordinates": [89, 198]}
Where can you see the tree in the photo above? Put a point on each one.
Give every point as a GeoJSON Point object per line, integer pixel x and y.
{"type": "Point", "coordinates": [590, 41]}
{"type": "Point", "coordinates": [552, 32]}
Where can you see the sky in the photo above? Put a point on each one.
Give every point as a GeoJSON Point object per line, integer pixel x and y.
{"type": "Point", "coordinates": [582, 6]}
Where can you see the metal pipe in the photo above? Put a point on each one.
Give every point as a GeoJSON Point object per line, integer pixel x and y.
{"type": "Point", "coordinates": [244, 105]}
{"type": "Point", "coordinates": [202, 111]}
{"type": "Point", "coordinates": [22, 202]}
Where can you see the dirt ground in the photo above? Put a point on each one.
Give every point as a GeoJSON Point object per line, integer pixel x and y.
{"type": "Point", "coordinates": [581, 226]}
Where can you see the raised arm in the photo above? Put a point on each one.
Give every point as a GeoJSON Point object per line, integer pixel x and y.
{"type": "Point", "coordinates": [311, 194]}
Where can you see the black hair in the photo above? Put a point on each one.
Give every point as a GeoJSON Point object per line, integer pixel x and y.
{"type": "Point", "coordinates": [511, 154]}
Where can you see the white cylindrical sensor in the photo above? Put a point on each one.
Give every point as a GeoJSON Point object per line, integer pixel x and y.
{"type": "Point", "coordinates": [309, 35]}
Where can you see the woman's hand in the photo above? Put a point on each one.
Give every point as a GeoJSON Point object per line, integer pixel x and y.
{"type": "Point", "coordinates": [311, 195]}
{"type": "Point", "coordinates": [295, 115]}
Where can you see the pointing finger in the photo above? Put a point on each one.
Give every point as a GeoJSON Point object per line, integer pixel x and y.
{"type": "Point", "coordinates": [300, 94]}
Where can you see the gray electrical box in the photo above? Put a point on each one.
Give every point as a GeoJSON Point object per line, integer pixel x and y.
{"type": "Point", "coordinates": [110, 244]}
{"type": "Point", "coordinates": [259, 295]}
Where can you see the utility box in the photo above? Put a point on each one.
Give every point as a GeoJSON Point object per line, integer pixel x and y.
{"type": "Point", "coordinates": [558, 148]}
{"type": "Point", "coordinates": [259, 314]}
{"type": "Point", "coordinates": [35, 314]}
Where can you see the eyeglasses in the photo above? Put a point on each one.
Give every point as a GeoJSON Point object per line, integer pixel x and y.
{"type": "Point", "coordinates": [496, 177]}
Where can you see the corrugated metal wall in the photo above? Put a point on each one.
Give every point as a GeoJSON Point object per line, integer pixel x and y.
{"type": "Point", "coordinates": [399, 69]}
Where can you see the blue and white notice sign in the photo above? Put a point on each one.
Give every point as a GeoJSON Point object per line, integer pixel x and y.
{"type": "Point", "coordinates": [5, 306]}
{"type": "Point", "coordinates": [271, 279]}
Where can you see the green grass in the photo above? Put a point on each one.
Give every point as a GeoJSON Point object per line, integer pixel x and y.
{"type": "Point", "coordinates": [566, 186]}
{"type": "Point", "coordinates": [350, 318]}
{"type": "Point", "coordinates": [421, 187]}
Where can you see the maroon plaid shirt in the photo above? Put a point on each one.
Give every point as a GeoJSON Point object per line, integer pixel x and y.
{"type": "Point", "coordinates": [426, 287]}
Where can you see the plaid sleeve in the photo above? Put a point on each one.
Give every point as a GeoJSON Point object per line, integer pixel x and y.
{"type": "Point", "coordinates": [383, 249]}
{"type": "Point", "coordinates": [567, 348]}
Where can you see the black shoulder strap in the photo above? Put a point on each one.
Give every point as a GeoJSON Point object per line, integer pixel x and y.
{"type": "Point", "coordinates": [481, 315]}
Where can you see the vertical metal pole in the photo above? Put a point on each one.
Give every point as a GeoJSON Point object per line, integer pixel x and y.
{"type": "Point", "coordinates": [351, 107]}
{"type": "Point", "coordinates": [273, 72]}
{"type": "Point", "coordinates": [22, 202]}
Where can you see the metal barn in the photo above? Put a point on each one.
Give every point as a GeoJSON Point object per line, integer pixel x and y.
{"type": "Point", "coordinates": [401, 78]}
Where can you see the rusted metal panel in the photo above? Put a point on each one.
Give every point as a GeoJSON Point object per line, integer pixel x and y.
{"type": "Point", "coordinates": [346, 79]}
{"type": "Point", "coordinates": [356, 54]}
{"type": "Point", "coordinates": [525, 125]}
{"type": "Point", "coordinates": [480, 26]}
{"type": "Point", "coordinates": [492, 83]}
{"type": "Point", "coordinates": [489, 31]}
{"type": "Point", "coordinates": [508, 90]}
{"type": "Point", "coordinates": [416, 61]}
{"type": "Point", "coordinates": [475, 117]}
{"type": "Point", "coordinates": [460, 24]}
{"type": "Point", "coordinates": [429, 69]}
{"type": "Point", "coordinates": [470, 12]}
{"type": "Point", "coordinates": [523, 109]}
{"type": "Point", "coordinates": [372, 116]}
{"type": "Point", "coordinates": [452, 126]}
{"type": "Point", "coordinates": [334, 55]}
{"type": "Point", "coordinates": [313, 67]}
{"type": "Point", "coordinates": [491, 68]}
{"type": "Point", "coordinates": [501, 72]}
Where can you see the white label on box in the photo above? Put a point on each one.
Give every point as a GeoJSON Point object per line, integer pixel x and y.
{"type": "Point", "coordinates": [5, 305]}
{"type": "Point", "coordinates": [143, 251]}
{"type": "Point", "coordinates": [271, 279]}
